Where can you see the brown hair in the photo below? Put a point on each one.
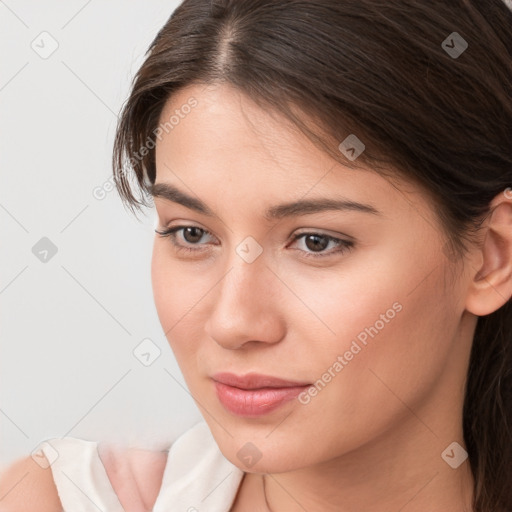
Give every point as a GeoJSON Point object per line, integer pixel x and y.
{"type": "Point", "coordinates": [394, 73]}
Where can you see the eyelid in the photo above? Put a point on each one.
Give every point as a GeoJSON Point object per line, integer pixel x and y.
{"type": "Point", "coordinates": [325, 232]}
{"type": "Point", "coordinates": [171, 231]}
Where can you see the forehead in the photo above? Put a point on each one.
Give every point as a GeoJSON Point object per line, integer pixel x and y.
{"type": "Point", "coordinates": [226, 130]}
{"type": "Point", "coordinates": [218, 141]}
{"type": "Point", "coordinates": [225, 122]}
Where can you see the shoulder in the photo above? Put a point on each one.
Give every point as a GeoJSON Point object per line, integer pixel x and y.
{"type": "Point", "coordinates": [25, 485]}
{"type": "Point", "coordinates": [135, 474]}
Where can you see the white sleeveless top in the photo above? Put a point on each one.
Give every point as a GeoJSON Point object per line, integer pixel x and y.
{"type": "Point", "coordinates": [197, 477]}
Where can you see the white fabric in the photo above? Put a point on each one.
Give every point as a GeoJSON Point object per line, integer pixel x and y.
{"type": "Point", "coordinates": [197, 477]}
{"type": "Point", "coordinates": [80, 477]}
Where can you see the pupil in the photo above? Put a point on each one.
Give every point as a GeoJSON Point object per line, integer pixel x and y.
{"type": "Point", "coordinates": [191, 229]}
{"type": "Point", "coordinates": [316, 246]}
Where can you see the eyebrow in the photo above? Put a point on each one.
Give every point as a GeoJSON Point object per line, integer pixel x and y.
{"type": "Point", "coordinates": [280, 211]}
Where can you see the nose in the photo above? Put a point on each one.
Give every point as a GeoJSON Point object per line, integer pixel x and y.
{"type": "Point", "coordinates": [246, 306]}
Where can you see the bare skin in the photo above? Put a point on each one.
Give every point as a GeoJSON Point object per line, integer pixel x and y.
{"type": "Point", "coordinates": [373, 437]}
{"type": "Point", "coordinates": [135, 474]}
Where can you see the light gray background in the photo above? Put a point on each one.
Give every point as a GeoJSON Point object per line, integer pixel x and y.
{"type": "Point", "coordinates": [69, 325]}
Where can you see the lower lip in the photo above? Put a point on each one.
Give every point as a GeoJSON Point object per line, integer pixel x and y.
{"type": "Point", "coordinates": [255, 402]}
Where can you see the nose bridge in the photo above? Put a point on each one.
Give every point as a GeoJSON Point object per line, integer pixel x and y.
{"type": "Point", "coordinates": [245, 286]}
{"type": "Point", "coordinates": [247, 271]}
{"type": "Point", "coordinates": [244, 307]}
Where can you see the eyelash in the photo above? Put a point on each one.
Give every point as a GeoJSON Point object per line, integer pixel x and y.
{"type": "Point", "coordinates": [344, 245]}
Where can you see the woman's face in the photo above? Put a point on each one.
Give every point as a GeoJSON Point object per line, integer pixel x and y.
{"type": "Point", "coordinates": [367, 317]}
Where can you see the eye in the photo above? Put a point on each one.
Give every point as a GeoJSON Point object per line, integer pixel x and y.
{"type": "Point", "coordinates": [191, 235]}
{"type": "Point", "coordinates": [317, 242]}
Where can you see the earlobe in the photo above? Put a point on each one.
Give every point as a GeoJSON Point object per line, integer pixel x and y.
{"type": "Point", "coordinates": [491, 286]}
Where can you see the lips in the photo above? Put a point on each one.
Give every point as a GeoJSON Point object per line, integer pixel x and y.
{"type": "Point", "coordinates": [255, 381]}
{"type": "Point", "coordinates": [253, 395]}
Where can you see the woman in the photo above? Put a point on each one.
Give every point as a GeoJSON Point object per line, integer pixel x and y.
{"type": "Point", "coordinates": [332, 263]}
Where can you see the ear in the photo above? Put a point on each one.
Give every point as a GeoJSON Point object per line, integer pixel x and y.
{"type": "Point", "coordinates": [491, 284]}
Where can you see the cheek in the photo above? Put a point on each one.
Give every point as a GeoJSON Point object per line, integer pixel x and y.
{"type": "Point", "coordinates": [392, 341]}
{"type": "Point", "coordinates": [170, 289]}
{"type": "Point", "coordinates": [174, 288]}
{"type": "Point", "coordinates": [177, 295]}
{"type": "Point", "coordinates": [359, 302]}
{"type": "Point", "coordinates": [163, 281]}
{"type": "Point", "coordinates": [387, 310]}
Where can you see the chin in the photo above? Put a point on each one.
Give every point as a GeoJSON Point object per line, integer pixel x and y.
{"type": "Point", "coordinates": [259, 455]}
